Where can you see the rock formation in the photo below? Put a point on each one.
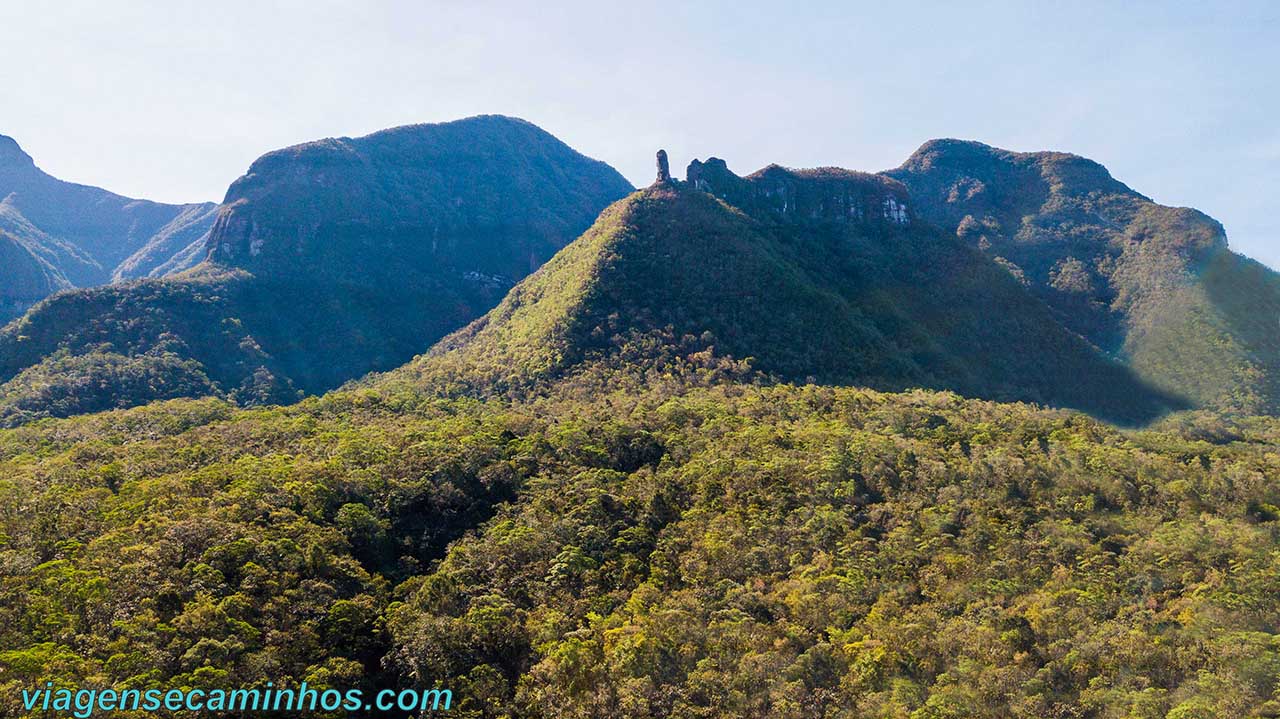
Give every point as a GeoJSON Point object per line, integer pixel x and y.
{"type": "Point", "coordinates": [664, 170]}
{"type": "Point", "coordinates": [825, 194]}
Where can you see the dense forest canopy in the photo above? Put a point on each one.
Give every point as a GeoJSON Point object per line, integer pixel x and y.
{"type": "Point", "coordinates": [726, 550]}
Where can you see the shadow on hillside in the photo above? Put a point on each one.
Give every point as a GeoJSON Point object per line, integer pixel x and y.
{"type": "Point", "coordinates": [1246, 295]}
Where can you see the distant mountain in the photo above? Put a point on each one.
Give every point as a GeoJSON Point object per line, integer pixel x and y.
{"type": "Point", "coordinates": [808, 276]}
{"type": "Point", "coordinates": [81, 235]}
{"type": "Point", "coordinates": [1154, 286]}
{"type": "Point", "coordinates": [326, 261]}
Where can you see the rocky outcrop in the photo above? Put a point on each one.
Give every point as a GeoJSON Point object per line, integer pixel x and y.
{"type": "Point", "coordinates": [664, 168]}
{"type": "Point", "coordinates": [827, 194]}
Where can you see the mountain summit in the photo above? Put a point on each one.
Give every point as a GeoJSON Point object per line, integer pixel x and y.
{"type": "Point", "coordinates": [11, 154]}
{"type": "Point", "coordinates": [490, 195]}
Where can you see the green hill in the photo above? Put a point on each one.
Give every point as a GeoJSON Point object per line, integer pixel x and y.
{"type": "Point", "coordinates": [815, 276]}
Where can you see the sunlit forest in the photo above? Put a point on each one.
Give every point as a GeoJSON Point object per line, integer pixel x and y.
{"type": "Point", "coordinates": [727, 550]}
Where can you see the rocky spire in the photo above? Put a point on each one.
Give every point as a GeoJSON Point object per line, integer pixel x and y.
{"type": "Point", "coordinates": [664, 170]}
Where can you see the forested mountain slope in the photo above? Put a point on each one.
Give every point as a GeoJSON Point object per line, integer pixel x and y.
{"type": "Point", "coordinates": [813, 276]}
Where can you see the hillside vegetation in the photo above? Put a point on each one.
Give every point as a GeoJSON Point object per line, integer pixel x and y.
{"type": "Point", "coordinates": [732, 551]}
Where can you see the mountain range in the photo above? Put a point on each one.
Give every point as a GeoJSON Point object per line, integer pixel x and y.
{"type": "Point", "coordinates": [1011, 276]}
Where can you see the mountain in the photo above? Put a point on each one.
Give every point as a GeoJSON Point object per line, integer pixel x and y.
{"type": "Point", "coordinates": [83, 235]}
{"type": "Point", "coordinates": [1156, 287]}
{"type": "Point", "coordinates": [803, 276]}
{"type": "Point", "coordinates": [326, 260]}
{"type": "Point", "coordinates": [1012, 276]}
{"type": "Point", "coordinates": [490, 195]}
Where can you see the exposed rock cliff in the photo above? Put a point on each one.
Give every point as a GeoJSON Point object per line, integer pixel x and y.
{"type": "Point", "coordinates": [826, 194]}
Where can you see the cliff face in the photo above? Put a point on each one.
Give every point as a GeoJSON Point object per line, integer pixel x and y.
{"type": "Point", "coordinates": [826, 194]}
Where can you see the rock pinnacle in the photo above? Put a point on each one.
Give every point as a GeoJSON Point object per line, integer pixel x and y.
{"type": "Point", "coordinates": [664, 170]}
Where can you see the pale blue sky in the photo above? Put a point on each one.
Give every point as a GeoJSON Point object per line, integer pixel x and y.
{"type": "Point", "coordinates": [173, 100]}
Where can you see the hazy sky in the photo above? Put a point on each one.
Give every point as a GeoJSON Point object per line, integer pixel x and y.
{"type": "Point", "coordinates": [173, 100]}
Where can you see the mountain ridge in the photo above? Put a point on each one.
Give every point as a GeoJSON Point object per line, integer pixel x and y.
{"type": "Point", "coordinates": [87, 235]}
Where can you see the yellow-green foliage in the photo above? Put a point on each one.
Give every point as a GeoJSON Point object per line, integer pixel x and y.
{"type": "Point", "coordinates": [723, 551]}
